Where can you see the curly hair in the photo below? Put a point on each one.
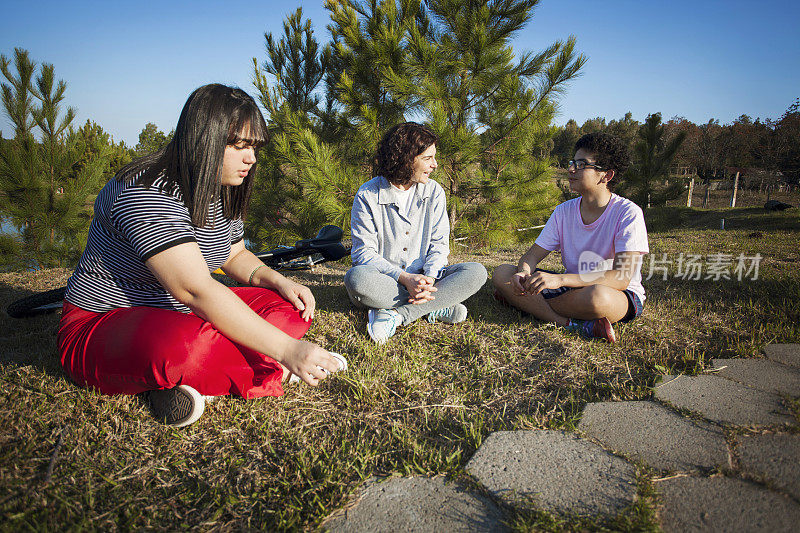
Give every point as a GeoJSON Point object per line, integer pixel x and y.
{"type": "Point", "coordinates": [610, 152]}
{"type": "Point", "coordinates": [394, 159]}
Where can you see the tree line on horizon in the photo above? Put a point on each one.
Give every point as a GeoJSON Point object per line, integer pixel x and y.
{"type": "Point", "coordinates": [447, 63]}
{"type": "Point", "coordinates": [765, 153]}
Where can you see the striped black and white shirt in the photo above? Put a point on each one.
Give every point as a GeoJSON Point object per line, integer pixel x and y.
{"type": "Point", "coordinates": [131, 224]}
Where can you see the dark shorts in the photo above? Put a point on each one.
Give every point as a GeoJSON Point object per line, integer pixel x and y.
{"type": "Point", "coordinates": [635, 305]}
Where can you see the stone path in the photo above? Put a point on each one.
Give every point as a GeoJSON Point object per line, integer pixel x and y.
{"type": "Point", "coordinates": [721, 451]}
{"type": "Point", "coordinates": [418, 504]}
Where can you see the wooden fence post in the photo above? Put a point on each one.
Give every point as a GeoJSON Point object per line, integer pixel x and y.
{"type": "Point", "coordinates": [689, 197]}
{"type": "Point", "coordinates": [735, 186]}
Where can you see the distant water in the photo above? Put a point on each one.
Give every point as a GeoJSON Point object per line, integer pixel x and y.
{"type": "Point", "coordinates": [7, 227]}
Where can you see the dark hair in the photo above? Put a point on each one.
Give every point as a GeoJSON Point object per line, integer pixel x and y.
{"type": "Point", "coordinates": [609, 151]}
{"type": "Point", "coordinates": [213, 117]}
{"type": "Point", "coordinates": [398, 148]}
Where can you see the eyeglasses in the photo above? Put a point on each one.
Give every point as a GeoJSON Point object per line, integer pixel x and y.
{"type": "Point", "coordinates": [580, 164]}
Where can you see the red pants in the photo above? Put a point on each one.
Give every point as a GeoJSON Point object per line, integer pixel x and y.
{"type": "Point", "coordinates": [136, 349]}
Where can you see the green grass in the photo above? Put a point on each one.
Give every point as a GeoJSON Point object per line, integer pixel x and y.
{"type": "Point", "coordinates": [420, 405]}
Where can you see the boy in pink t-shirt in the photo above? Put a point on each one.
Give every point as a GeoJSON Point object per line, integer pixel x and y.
{"type": "Point", "coordinates": [602, 238]}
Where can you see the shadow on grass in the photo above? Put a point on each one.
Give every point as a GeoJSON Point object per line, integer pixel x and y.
{"type": "Point", "coordinates": [28, 341]}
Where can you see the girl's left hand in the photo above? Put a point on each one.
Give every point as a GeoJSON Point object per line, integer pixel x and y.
{"type": "Point", "coordinates": [299, 295]}
{"type": "Point", "coordinates": [419, 286]}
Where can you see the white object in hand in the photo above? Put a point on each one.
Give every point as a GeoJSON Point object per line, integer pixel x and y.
{"type": "Point", "coordinates": [294, 378]}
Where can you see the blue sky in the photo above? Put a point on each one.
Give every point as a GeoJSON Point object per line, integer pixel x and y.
{"type": "Point", "coordinates": [128, 63]}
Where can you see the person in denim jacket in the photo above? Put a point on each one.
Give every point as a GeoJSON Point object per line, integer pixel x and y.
{"type": "Point", "coordinates": [400, 240]}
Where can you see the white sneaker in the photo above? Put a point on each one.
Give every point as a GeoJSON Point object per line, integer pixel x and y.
{"type": "Point", "coordinates": [294, 378]}
{"type": "Point", "coordinates": [178, 406]}
{"type": "Point", "coordinates": [449, 315]}
{"type": "Point", "coordinates": [382, 323]}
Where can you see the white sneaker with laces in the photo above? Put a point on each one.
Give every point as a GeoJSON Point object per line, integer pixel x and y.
{"type": "Point", "coordinates": [382, 323]}
{"type": "Point", "coordinates": [449, 315]}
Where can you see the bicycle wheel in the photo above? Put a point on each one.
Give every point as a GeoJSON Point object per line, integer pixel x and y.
{"type": "Point", "coordinates": [37, 304]}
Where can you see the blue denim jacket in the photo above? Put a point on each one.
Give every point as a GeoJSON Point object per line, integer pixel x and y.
{"type": "Point", "coordinates": [392, 242]}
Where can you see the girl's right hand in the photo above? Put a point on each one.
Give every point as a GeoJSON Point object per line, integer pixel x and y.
{"type": "Point", "coordinates": [309, 361]}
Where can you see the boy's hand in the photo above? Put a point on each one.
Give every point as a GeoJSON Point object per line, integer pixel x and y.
{"type": "Point", "coordinates": [420, 287]}
{"type": "Point", "coordinates": [538, 281]}
{"type": "Point", "coordinates": [518, 282]}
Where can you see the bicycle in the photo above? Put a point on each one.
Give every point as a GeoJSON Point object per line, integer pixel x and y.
{"type": "Point", "coordinates": [325, 246]}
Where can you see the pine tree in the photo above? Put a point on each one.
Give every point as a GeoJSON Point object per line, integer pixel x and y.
{"type": "Point", "coordinates": [593, 125]}
{"type": "Point", "coordinates": [295, 63]}
{"type": "Point", "coordinates": [448, 63]}
{"type": "Point", "coordinates": [564, 142]}
{"type": "Point", "coordinates": [302, 181]}
{"type": "Point", "coordinates": [625, 128]}
{"type": "Point", "coordinates": [46, 181]}
{"type": "Point", "coordinates": [709, 149]}
{"type": "Point", "coordinates": [653, 156]}
{"type": "Point", "coordinates": [488, 108]}
{"type": "Point", "coordinates": [787, 130]}
{"type": "Point", "coordinates": [151, 139]}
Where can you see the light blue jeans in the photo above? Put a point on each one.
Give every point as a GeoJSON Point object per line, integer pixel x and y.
{"type": "Point", "coordinates": [369, 288]}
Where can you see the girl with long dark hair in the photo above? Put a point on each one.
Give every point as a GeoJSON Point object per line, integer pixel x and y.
{"type": "Point", "coordinates": [142, 312]}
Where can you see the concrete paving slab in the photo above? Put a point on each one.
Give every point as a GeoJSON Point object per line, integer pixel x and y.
{"type": "Point", "coordinates": [417, 504]}
{"type": "Point", "coordinates": [555, 470]}
{"type": "Point", "coordinates": [723, 504]}
{"type": "Point", "coordinates": [725, 401]}
{"type": "Point", "coordinates": [761, 374]}
{"type": "Point", "coordinates": [775, 457]}
{"type": "Point", "coordinates": [655, 435]}
{"type": "Point", "coordinates": [788, 354]}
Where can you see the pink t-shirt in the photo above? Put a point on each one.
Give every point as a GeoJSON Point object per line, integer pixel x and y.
{"type": "Point", "coordinates": [587, 249]}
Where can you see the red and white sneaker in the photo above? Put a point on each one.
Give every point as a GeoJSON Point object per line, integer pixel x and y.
{"type": "Point", "coordinates": [598, 328]}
